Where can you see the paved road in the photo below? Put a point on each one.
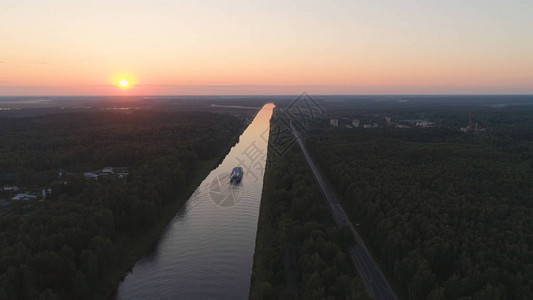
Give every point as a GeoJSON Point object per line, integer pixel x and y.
{"type": "Point", "coordinates": [365, 265]}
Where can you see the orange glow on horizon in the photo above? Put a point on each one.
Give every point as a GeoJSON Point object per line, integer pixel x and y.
{"type": "Point", "coordinates": [283, 49]}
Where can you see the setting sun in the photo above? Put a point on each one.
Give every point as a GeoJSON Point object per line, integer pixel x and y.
{"type": "Point", "coordinates": [124, 83]}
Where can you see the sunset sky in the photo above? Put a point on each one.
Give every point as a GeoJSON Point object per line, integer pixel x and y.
{"type": "Point", "coordinates": [266, 47]}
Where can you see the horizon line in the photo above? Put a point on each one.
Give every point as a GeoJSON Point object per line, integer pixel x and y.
{"type": "Point", "coordinates": [270, 95]}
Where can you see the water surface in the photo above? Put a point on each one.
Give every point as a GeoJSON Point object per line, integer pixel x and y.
{"type": "Point", "coordinates": [206, 251]}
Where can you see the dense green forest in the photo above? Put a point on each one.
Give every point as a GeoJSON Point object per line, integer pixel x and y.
{"type": "Point", "coordinates": [300, 253]}
{"type": "Point", "coordinates": [447, 213]}
{"type": "Point", "coordinates": [73, 244]}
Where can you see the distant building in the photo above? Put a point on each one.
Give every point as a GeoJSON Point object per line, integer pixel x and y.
{"type": "Point", "coordinates": [23, 196]}
{"type": "Point", "coordinates": [13, 188]}
{"type": "Point", "coordinates": [355, 123]}
{"type": "Point", "coordinates": [469, 127]}
{"type": "Point", "coordinates": [402, 126]}
{"type": "Point", "coordinates": [387, 119]}
{"type": "Point", "coordinates": [414, 122]}
{"type": "Point", "coordinates": [90, 175]}
{"type": "Point", "coordinates": [121, 172]}
{"type": "Point", "coordinates": [373, 125]}
{"type": "Point", "coordinates": [472, 127]}
{"type": "Point", "coordinates": [46, 192]}
{"type": "Point", "coordinates": [334, 122]}
{"type": "Point", "coordinates": [106, 170]}
{"type": "Point", "coordinates": [424, 124]}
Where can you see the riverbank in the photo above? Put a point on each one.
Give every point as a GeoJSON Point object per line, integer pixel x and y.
{"type": "Point", "coordinates": [133, 248]}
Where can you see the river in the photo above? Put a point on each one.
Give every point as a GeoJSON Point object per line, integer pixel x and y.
{"type": "Point", "coordinates": [206, 251]}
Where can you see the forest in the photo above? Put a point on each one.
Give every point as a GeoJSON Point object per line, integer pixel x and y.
{"type": "Point", "coordinates": [300, 253]}
{"type": "Point", "coordinates": [78, 242]}
{"type": "Point", "coordinates": [447, 213]}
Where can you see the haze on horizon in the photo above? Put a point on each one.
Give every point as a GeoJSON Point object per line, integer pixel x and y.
{"type": "Point", "coordinates": [266, 47]}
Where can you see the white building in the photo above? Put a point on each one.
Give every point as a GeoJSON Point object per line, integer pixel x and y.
{"type": "Point", "coordinates": [107, 170]}
{"type": "Point", "coordinates": [90, 175]}
{"type": "Point", "coordinates": [355, 123]}
{"type": "Point", "coordinates": [373, 125]}
{"type": "Point", "coordinates": [23, 196]}
{"type": "Point", "coordinates": [121, 172]}
{"type": "Point", "coordinates": [424, 124]}
{"type": "Point", "coordinates": [13, 188]}
{"type": "Point", "coordinates": [334, 122]}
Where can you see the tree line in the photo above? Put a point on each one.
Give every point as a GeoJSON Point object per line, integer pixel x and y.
{"type": "Point", "coordinates": [448, 214]}
{"type": "Point", "coordinates": [300, 253]}
{"type": "Point", "coordinates": [67, 246]}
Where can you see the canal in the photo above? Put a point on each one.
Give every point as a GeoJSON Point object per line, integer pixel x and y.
{"type": "Point", "coordinates": [206, 251]}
